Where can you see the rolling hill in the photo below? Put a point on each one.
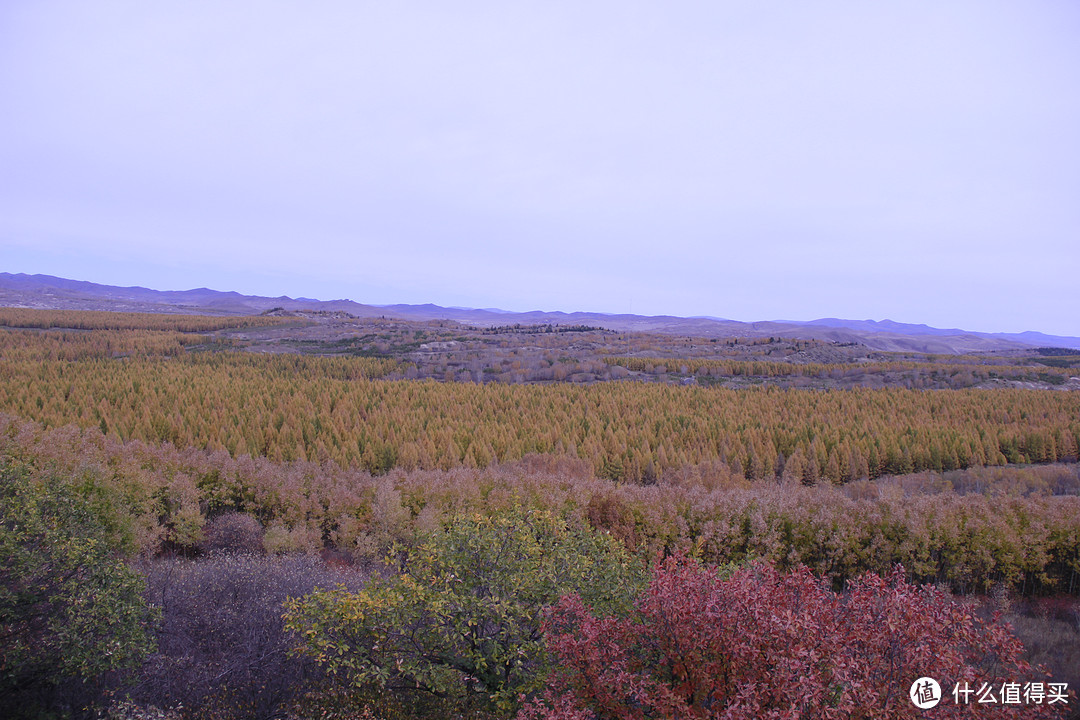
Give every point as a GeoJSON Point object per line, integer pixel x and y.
{"type": "Point", "coordinates": [46, 291]}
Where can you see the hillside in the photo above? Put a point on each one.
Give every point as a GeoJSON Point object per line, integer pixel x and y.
{"type": "Point", "coordinates": [48, 292]}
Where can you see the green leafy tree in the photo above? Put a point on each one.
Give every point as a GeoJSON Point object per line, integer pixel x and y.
{"type": "Point", "coordinates": [70, 608]}
{"type": "Point", "coordinates": [463, 618]}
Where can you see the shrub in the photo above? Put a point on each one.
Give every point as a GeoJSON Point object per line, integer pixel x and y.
{"type": "Point", "coordinates": [222, 648]}
{"type": "Point", "coordinates": [761, 644]}
{"type": "Point", "coordinates": [280, 539]}
{"type": "Point", "coordinates": [233, 532]}
{"type": "Point", "coordinates": [462, 619]}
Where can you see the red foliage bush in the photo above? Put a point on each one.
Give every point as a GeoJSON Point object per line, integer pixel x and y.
{"type": "Point", "coordinates": [759, 644]}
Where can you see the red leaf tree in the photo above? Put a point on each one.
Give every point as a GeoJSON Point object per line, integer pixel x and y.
{"type": "Point", "coordinates": [759, 644]}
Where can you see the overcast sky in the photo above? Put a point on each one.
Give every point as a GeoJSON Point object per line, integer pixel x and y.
{"type": "Point", "coordinates": [918, 161]}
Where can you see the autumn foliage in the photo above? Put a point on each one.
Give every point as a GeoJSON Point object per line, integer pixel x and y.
{"type": "Point", "coordinates": [13, 317]}
{"type": "Point", "coordinates": [970, 530]}
{"type": "Point", "coordinates": [455, 512]}
{"type": "Point", "coordinates": [148, 385]}
{"type": "Point", "coordinates": [929, 372]}
{"type": "Point", "coordinates": [761, 644]}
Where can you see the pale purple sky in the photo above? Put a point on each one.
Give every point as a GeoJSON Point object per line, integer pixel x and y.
{"type": "Point", "coordinates": [918, 161]}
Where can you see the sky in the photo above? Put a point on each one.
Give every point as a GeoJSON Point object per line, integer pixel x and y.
{"type": "Point", "coordinates": [917, 161]}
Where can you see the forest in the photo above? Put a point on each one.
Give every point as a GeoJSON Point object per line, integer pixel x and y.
{"type": "Point", "coordinates": [313, 515]}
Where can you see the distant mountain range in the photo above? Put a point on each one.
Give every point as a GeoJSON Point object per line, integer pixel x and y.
{"type": "Point", "coordinates": [46, 291]}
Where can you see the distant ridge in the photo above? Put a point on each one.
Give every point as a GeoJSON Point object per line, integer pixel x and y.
{"type": "Point", "coordinates": [47, 291]}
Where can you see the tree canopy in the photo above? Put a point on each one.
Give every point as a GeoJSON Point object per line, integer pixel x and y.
{"type": "Point", "coordinates": [70, 608]}
{"type": "Point", "coordinates": [462, 619]}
